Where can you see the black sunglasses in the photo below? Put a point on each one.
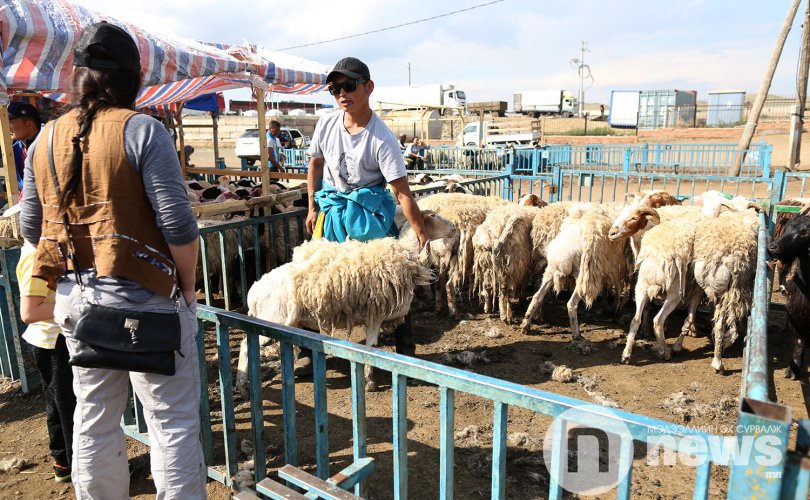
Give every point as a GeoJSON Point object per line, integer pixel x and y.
{"type": "Point", "coordinates": [348, 86]}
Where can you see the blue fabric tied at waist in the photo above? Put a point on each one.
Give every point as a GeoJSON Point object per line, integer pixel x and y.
{"type": "Point", "coordinates": [363, 214]}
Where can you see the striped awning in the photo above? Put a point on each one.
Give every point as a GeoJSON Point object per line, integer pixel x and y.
{"type": "Point", "coordinates": [37, 39]}
{"type": "Point", "coordinates": [38, 36]}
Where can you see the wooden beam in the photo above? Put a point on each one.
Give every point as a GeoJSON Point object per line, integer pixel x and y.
{"type": "Point", "coordinates": [232, 206]}
{"type": "Point", "coordinates": [765, 86]}
{"type": "Point", "coordinates": [260, 109]}
{"type": "Point", "coordinates": [9, 167]}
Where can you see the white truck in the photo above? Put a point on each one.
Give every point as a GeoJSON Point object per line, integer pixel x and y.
{"type": "Point", "coordinates": [496, 134]}
{"type": "Point", "coordinates": [415, 96]}
{"type": "Point", "coordinates": [545, 102]}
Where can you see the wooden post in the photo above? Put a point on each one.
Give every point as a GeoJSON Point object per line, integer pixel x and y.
{"type": "Point", "coordinates": [753, 117]}
{"type": "Point", "coordinates": [215, 120]}
{"type": "Point", "coordinates": [265, 171]}
{"type": "Point", "coordinates": [9, 167]}
{"type": "Point", "coordinates": [798, 119]}
{"type": "Point", "coordinates": [481, 130]}
{"type": "Point", "coordinates": [260, 109]}
{"type": "Point", "coordinates": [181, 141]}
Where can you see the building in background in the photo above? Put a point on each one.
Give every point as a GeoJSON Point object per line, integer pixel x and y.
{"type": "Point", "coordinates": [726, 108]}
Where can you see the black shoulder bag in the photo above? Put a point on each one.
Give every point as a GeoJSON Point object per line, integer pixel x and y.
{"type": "Point", "coordinates": [118, 339]}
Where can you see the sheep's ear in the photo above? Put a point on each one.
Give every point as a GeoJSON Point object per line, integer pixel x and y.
{"type": "Point", "coordinates": [804, 210]}
{"type": "Point", "coordinates": [428, 213]}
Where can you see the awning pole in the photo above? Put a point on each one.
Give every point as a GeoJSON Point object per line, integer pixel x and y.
{"type": "Point", "coordinates": [9, 168]}
{"type": "Point", "coordinates": [181, 141]}
{"type": "Point", "coordinates": [216, 139]}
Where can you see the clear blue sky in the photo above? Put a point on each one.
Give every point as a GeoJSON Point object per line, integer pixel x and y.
{"type": "Point", "coordinates": [493, 51]}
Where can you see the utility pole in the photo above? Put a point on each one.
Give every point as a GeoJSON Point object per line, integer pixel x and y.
{"type": "Point", "coordinates": [797, 120]}
{"type": "Point", "coordinates": [579, 63]}
{"type": "Point", "coordinates": [409, 74]}
{"type": "Point", "coordinates": [582, 81]}
{"type": "Point", "coordinates": [753, 117]}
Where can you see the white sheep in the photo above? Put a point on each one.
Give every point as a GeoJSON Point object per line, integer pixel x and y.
{"type": "Point", "coordinates": [467, 212]}
{"type": "Point", "coordinates": [725, 256]}
{"type": "Point", "coordinates": [664, 269]}
{"type": "Point", "coordinates": [581, 255]}
{"type": "Point", "coordinates": [329, 285]}
{"type": "Point", "coordinates": [503, 256]}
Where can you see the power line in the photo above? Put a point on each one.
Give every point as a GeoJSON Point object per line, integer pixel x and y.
{"type": "Point", "coordinates": [394, 27]}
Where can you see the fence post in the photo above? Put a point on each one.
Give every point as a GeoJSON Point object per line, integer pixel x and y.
{"type": "Point", "coordinates": [763, 427]}
{"type": "Point", "coordinates": [627, 156]}
{"type": "Point", "coordinates": [556, 181]}
{"type": "Point", "coordinates": [766, 151]}
{"type": "Point", "coordinates": [778, 190]}
{"type": "Point", "coordinates": [506, 191]}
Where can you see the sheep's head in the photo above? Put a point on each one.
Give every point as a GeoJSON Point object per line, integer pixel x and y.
{"type": "Point", "coordinates": [454, 187]}
{"type": "Point", "coordinates": [631, 220]}
{"type": "Point", "coordinates": [795, 239]}
{"type": "Point", "coordinates": [531, 200]}
{"type": "Point", "coordinates": [438, 227]}
{"type": "Point", "coordinates": [657, 199]}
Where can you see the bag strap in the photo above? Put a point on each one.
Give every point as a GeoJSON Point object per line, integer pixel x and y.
{"type": "Point", "coordinates": [71, 253]}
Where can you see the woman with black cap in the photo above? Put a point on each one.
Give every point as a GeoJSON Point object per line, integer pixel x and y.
{"type": "Point", "coordinates": [113, 177]}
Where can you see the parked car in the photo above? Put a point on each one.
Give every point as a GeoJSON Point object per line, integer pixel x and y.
{"type": "Point", "coordinates": [247, 145]}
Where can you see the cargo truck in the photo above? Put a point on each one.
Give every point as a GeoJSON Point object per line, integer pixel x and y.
{"type": "Point", "coordinates": [502, 133]}
{"type": "Point", "coordinates": [545, 102]}
{"type": "Point", "coordinates": [416, 96]}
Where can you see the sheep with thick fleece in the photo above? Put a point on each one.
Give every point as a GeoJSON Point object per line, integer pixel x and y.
{"type": "Point", "coordinates": [583, 256]}
{"type": "Point", "coordinates": [503, 256]}
{"type": "Point", "coordinates": [664, 269]}
{"type": "Point", "coordinates": [467, 212]}
{"type": "Point", "coordinates": [545, 227]}
{"type": "Point", "coordinates": [724, 263]}
{"type": "Point", "coordinates": [329, 285]}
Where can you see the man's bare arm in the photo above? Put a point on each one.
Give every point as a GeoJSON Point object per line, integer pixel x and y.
{"type": "Point", "coordinates": [410, 208]}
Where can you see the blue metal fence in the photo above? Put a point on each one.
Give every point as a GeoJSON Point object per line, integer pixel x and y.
{"type": "Point", "coordinates": [707, 450]}
{"type": "Point", "coordinates": [689, 159]}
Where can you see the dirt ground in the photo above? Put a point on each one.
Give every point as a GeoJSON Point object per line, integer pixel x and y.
{"type": "Point", "coordinates": [684, 390]}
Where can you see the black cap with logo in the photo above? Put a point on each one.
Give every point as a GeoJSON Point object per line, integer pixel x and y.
{"type": "Point", "coordinates": [106, 46]}
{"type": "Point", "coordinates": [351, 67]}
{"type": "Point", "coordinates": [23, 109]}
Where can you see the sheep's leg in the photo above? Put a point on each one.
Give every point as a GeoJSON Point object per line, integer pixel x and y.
{"type": "Point", "coordinates": [372, 339]}
{"type": "Point", "coordinates": [642, 302]}
{"type": "Point", "coordinates": [573, 303]}
{"type": "Point", "coordinates": [440, 294]}
{"type": "Point", "coordinates": [242, 365]}
{"type": "Point", "coordinates": [659, 323]}
{"type": "Point", "coordinates": [689, 323]}
{"type": "Point", "coordinates": [451, 299]}
{"type": "Point", "coordinates": [503, 303]}
{"type": "Point", "coordinates": [719, 326]}
{"type": "Point", "coordinates": [536, 306]}
{"type": "Point", "coordinates": [795, 370]}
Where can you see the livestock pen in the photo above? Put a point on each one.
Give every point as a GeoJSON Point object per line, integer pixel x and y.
{"type": "Point", "coordinates": [482, 436]}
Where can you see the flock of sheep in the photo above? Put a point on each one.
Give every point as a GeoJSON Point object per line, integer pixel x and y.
{"type": "Point", "coordinates": [498, 252]}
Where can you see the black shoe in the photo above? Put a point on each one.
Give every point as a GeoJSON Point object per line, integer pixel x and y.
{"type": "Point", "coordinates": [407, 350]}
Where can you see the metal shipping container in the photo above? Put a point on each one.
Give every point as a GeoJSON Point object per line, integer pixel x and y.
{"type": "Point", "coordinates": [725, 107]}
{"type": "Point", "coordinates": [666, 109]}
{"type": "Point", "coordinates": [624, 108]}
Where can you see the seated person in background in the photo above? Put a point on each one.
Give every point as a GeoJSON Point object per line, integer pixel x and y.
{"type": "Point", "coordinates": [414, 157]}
{"type": "Point", "coordinates": [402, 145]}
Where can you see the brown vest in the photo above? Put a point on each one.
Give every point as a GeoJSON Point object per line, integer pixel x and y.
{"type": "Point", "coordinates": [112, 224]}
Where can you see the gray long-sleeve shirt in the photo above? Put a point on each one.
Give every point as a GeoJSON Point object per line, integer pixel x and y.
{"type": "Point", "coordinates": [150, 150]}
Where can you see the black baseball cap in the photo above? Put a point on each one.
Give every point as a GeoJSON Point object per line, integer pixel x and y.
{"type": "Point", "coordinates": [351, 67]}
{"type": "Point", "coordinates": [23, 109]}
{"type": "Point", "coordinates": [106, 46]}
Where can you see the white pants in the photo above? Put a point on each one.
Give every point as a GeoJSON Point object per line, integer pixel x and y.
{"type": "Point", "coordinates": [170, 408]}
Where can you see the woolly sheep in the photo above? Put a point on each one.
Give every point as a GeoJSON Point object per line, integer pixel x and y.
{"type": "Point", "coordinates": [503, 256]}
{"type": "Point", "coordinates": [582, 255]}
{"type": "Point", "coordinates": [329, 284]}
{"type": "Point", "coordinates": [467, 212]}
{"type": "Point", "coordinates": [663, 268]}
{"type": "Point", "coordinates": [725, 255]}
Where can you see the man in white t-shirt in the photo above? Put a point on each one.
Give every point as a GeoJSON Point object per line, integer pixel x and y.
{"type": "Point", "coordinates": [353, 155]}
